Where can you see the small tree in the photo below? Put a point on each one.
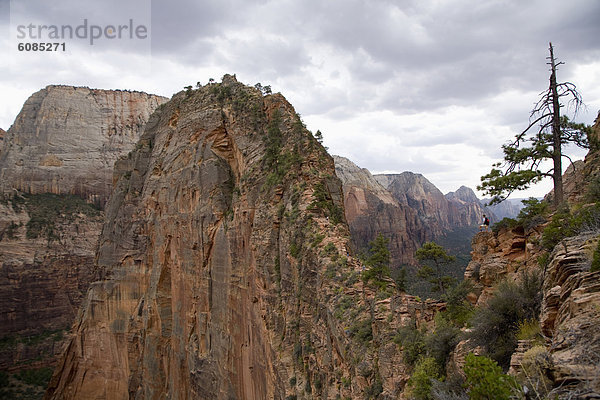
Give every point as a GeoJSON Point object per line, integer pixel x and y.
{"type": "Point", "coordinates": [434, 259]}
{"type": "Point", "coordinates": [542, 139]}
{"type": "Point", "coordinates": [486, 381]}
{"type": "Point", "coordinates": [319, 137]}
{"type": "Point", "coordinates": [378, 262]}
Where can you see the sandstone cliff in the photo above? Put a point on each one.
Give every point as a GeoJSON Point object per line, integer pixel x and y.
{"type": "Point", "coordinates": [371, 209]}
{"type": "Point", "coordinates": [437, 212]}
{"type": "Point", "coordinates": [47, 240]}
{"type": "Point", "coordinates": [66, 139]}
{"type": "Point", "coordinates": [225, 270]}
{"type": "Point", "coordinates": [407, 209]}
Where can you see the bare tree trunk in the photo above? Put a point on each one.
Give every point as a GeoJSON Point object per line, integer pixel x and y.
{"type": "Point", "coordinates": [556, 154]}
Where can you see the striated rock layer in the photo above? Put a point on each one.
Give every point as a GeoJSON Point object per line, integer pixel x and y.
{"type": "Point", "coordinates": [225, 271]}
{"type": "Point", "coordinates": [44, 277]}
{"type": "Point", "coordinates": [66, 139]}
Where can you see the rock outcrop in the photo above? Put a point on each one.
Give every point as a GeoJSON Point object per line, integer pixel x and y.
{"type": "Point", "coordinates": [567, 365]}
{"type": "Point", "coordinates": [224, 267]}
{"type": "Point", "coordinates": [498, 256]}
{"type": "Point", "coordinates": [66, 139]}
{"type": "Point", "coordinates": [570, 317]}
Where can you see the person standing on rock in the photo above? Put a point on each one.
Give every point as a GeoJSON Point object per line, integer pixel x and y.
{"type": "Point", "coordinates": [486, 223]}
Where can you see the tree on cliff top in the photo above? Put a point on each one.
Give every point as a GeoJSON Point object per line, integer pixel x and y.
{"type": "Point", "coordinates": [548, 131]}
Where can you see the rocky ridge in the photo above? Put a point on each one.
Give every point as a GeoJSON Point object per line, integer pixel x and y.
{"type": "Point", "coordinates": [227, 210]}
{"type": "Point", "coordinates": [567, 362]}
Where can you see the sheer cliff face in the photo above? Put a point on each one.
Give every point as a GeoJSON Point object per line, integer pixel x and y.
{"type": "Point", "coordinates": [66, 139]}
{"type": "Point", "coordinates": [210, 280]}
{"type": "Point", "coordinates": [225, 271]}
{"type": "Point", "coordinates": [437, 212]}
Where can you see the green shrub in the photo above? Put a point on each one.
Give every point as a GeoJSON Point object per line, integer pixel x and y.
{"type": "Point", "coordinates": [530, 330]}
{"type": "Point", "coordinates": [564, 224]}
{"type": "Point", "coordinates": [38, 377]}
{"type": "Point", "coordinates": [362, 331]}
{"type": "Point", "coordinates": [596, 259]}
{"type": "Point", "coordinates": [533, 214]}
{"type": "Point", "coordinates": [47, 209]}
{"type": "Point", "coordinates": [496, 324]}
{"type": "Point", "coordinates": [485, 380]}
{"type": "Point", "coordinates": [441, 342]}
{"type": "Point", "coordinates": [505, 223]}
{"type": "Point", "coordinates": [421, 380]}
{"type": "Point", "coordinates": [458, 309]}
{"type": "Point", "coordinates": [324, 202]}
{"type": "Point", "coordinates": [412, 342]}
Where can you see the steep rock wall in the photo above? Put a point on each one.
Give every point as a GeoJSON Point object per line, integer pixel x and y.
{"type": "Point", "coordinates": [66, 139]}
{"type": "Point", "coordinates": [225, 268]}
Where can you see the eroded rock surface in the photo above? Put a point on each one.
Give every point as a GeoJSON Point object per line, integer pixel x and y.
{"type": "Point", "coordinates": [225, 267]}
{"type": "Point", "coordinates": [66, 139]}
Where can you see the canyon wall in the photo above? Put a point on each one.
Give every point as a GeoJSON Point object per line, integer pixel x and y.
{"type": "Point", "coordinates": [407, 209]}
{"type": "Point", "coordinates": [66, 139]}
{"type": "Point", "coordinates": [56, 158]}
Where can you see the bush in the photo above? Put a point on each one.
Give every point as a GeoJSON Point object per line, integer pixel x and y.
{"type": "Point", "coordinates": [536, 365]}
{"type": "Point", "coordinates": [362, 331]}
{"type": "Point", "coordinates": [534, 213]}
{"type": "Point", "coordinates": [46, 209]}
{"type": "Point", "coordinates": [421, 380]}
{"type": "Point", "coordinates": [596, 259]}
{"type": "Point", "coordinates": [442, 341]}
{"type": "Point", "coordinates": [564, 224]}
{"type": "Point", "coordinates": [38, 377]}
{"type": "Point", "coordinates": [505, 223]}
{"type": "Point", "coordinates": [496, 324]}
{"type": "Point", "coordinates": [530, 330]}
{"type": "Point", "coordinates": [458, 309]}
{"type": "Point", "coordinates": [485, 380]}
{"type": "Point", "coordinates": [412, 342]}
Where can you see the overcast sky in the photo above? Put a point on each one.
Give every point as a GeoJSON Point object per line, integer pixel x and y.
{"type": "Point", "coordinates": [429, 86]}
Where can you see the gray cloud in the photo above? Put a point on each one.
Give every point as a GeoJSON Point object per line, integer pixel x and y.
{"type": "Point", "coordinates": [362, 71]}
